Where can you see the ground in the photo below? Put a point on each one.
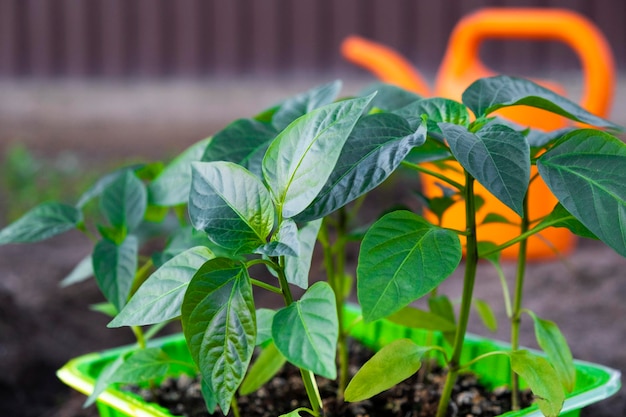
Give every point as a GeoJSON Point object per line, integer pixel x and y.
{"type": "Point", "coordinates": [42, 325]}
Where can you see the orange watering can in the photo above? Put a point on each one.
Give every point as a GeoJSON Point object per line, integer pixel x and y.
{"type": "Point", "coordinates": [461, 66]}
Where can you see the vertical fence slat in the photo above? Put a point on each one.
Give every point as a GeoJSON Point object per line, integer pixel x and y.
{"type": "Point", "coordinates": [149, 37]}
{"type": "Point", "coordinates": [114, 39]}
{"type": "Point", "coordinates": [9, 66]}
{"type": "Point", "coordinates": [263, 36]}
{"type": "Point", "coordinates": [306, 29]}
{"type": "Point", "coordinates": [75, 40]}
{"type": "Point", "coordinates": [39, 48]}
{"type": "Point", "coordinates": [187, 49]}
{"type": "Point", "coordinates": [226, 36]}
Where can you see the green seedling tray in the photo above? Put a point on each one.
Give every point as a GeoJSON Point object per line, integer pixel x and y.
{"type": "Point", "coordinates": [593, 382]}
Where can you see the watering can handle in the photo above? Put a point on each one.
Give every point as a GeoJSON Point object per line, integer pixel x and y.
{"type": "Point", "coordinates": [541, 24]}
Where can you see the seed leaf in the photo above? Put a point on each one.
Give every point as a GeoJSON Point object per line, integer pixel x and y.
{"type": "Point", "coordinates": [391, 365]}
{"type": "Point", "coordinates": [42, 222]}
{"type": "Point", "coordinates": [218, 318]}
{"type": "Point", "coordinates": [231, 205]}
{"type": "Point", "coordinates": [497, 156]}
{"type": "Point", "coordinates": [267, 364]}
{"type": "Point", "coordinates": [114, 267]}
{"type": "Point", "coordinates": [243, 142]}
{"type": "Point", "coordinates": [402, 258]}
{"type": "Point", "coordinates": [585, 171]}
{"type": "Point", "coordinates": [372, 152]}
{"type": "Point", "coordinates": [124, 201]}
{"type": "Point", "coordinates": [489, 94]}
{"type": "Point", "coordinates": [553, 343]}
{"type": "Point", "coordinates": [297, 268]}
{"type": "Point", "coordinates": [299, 161]}
{"type": "Point", "coordinates": [306, 331]}
{"type": "Point", "coordinates": [542, 380]}
{"type": "Point", "coordinates": [304, 103]}
{"type": "Point", "coordinates": [171, 186]}
{"type": "Point", "coordinates": [160, 297]}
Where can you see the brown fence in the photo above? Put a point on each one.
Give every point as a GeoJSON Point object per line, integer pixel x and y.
{"type": "Point", "coordinates": [201, 38]}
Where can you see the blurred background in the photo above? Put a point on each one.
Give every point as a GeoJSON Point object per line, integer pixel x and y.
{"type": "Point", "coordinates": [89, 85]}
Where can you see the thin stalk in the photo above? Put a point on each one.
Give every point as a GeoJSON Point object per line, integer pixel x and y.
{"type": "Point", "coordinates": [307, 376]}
{"type": "Point", "coordinates": [471, 261]}
{"type": "Point", "coordinates": [265, 286]}
{"type": "Point", "coordinates": [340, 277]}
{"type": "Point", "coordinates": [437, 175]}
{"type": "Point", "coordinates": [517, 302]}
{"type": "Point", "coordinates": [141, 340]}
{"type": "Point", "coordinates": [235, 407]}
{"type": "Point", "coordinates": [141, 276]}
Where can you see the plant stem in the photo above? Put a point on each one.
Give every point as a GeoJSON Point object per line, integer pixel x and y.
{"type": "Point", "coordinates": [307, 376]}
{"type": "Point", "coordinates": [437, 175]}
{"type": "Point", "coordinates": [141, 340]}
{"type": "Point", "coordinates": [517, 302]}
{"type": "Point", "coordinates": [471, 261]}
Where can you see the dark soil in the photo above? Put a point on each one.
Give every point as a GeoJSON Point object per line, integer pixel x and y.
{"type": "Point", "coordinates": [416, 397]}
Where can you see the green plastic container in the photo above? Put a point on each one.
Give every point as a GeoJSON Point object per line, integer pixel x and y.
{"type": "Point", "coordinates": [593, 382]}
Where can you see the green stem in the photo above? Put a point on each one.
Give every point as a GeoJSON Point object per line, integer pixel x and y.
{"type": "Point", "coordinates": [340, 285]}
{"type": "Point", "coordinates": [517, 302]}
{"type": "Point", "coordinates": [141, 340]}
{"type": "Point", "coordinates": [471, 262]}
{"type": "Point", "coordinates": [307, 376]}
{"type": "Point", "coordinates": [265, 286]}
{"type": "Point", "coordinates": [235, 407]}
{"type": "Point", "coordinates": [141, 276]}
{"type": "Point", "coordinates": [437, 175]}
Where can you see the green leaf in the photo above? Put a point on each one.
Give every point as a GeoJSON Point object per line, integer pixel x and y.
{"type": "Point", "coordinates": [487, 95]}
{"type": "Point", "coordinates": [283, 242]}
{"type": "Point", "coordinates": [542, 380]}
{"type": "Point", "coordinates": [97, 189]}
{"type": "Point", "coordinates": [419, 319]}
{"type": "Point", "coordinates": [209, 397]}
{"type": "Point", "coordinates": [495, 218]}
{"type": "Point", "coordinates": [242, 142]}
{"type": "Point", "coordinates": [375, 148]}
{"type": "Point", "coordinates": [389, 366]}
{"type": "Point", "coordinates": [304, 103]}
{"type": "Point", "coordinates": [268, 363]}
{"type": "Point", "coordinates": [107, 309]}
{"type": "Point", "coordinates": [218, 318]}
{"type": "Point", "coordinates": [231, 205]}
{"type": "Point", "coordinates": [585, 171]}
{"type": "Point", "coordinates": [431, 151]}
{"type": "Point", "coordinates": [299, 161]}
{"type": "Point", "coordinates": [297, 268]}
{"type": "Point", "coordinates": [180, 240]}
{"type": "Point", "coordinates": [114, 267]}
{"type": "Point", "coordinates": [171, 186]}
{"type": "Point", "coordinates": [160, 297]}
{"type": "Point", "coordinates": [560, 217]}
{"type": "Point", "coordinates": [553, 343]}
{"type": "Point", "coordinates": [437, 110]}
{"type": "Point", "coordinates": [497, 156]}
{"type": "Point", "coordinates": [124, 201]}
{"type": "Point", "coordinates": [138, 366]}
{"type": "Point", "coordinates": [42, 222]}
{"type": "Point", "coordinates": [81, 272]}
{"type": "Point", "coordinates": [306, 331]}
{"type": "Point", "coordinates": [442, 306]}
{"type": "Point", "coordinates": [389, 97]}
{"type": "Point", "coordinates": [486, 314]}
{"type": "Point", "coordinates": [264, 319]}
{"type": "Point", "coordinates": [402, 258]}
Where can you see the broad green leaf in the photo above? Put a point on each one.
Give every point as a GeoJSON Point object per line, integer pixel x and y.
{"type": "Point", "coordinates": [301, 104]}
{"type": "Point", "coordinates": [442, 306]}
{"type": "Point", "coordinates": [375, 148]}
{"type": "Point", "coordinates": [486, 314]}
{"type": "Point", "coordinates": [497, 156]}
{"type": "Point", "coordinates": [81, 272]}
{"type": "Point", "coordinates": [299, 161]}
{"type": "Point", "coordinates": [489, 94]}
{"type": "Point", "coordinates": [283, 242]}
{"type": "Point", "coordinates": [539, 139]}
{"type": "Point", "coordinates": [542, 380]}
{"type": "Point", "coordinates": [495, 218]}
{"type": "Point", "coordinates": [297, 268]}
{"type": "Point", "coordinates": [218, 318]}
{"type": "Point", "coordinates": [553, 343]}
{"type": "Point", "coordinates": [42, 222]}
{"type": "Point", "coordinates": [389, 97]}
{"type": "Point", "coordinates": [267, 364]}
{"type": "Point", "coordinates": [585, 171]}
{"type": "Point", "coordinates": [420, 319]}
{"type": "Point", "coordinates": [97, 189]}
{"type": "Point", "coordinates": [171, 186]}
{"type": "Point", "coordinates": [138, 366]}
{"type": "Point", "coordinates": [437, 110]}
{"type": "Point", "coordinates": [243, 142]}
{"type": "Point", "coordinates": [306, 331]}
{"type": "Point", "coordinates": [391, 365]}
{"type": "Point", "coordinates": [180, 240]}
{"type": "Point", "coordinates": [124, 201]}
{"type": "Point", "coordinates": [264, 319]}
{"type": "Point", "coordinates": [439, 205]}
{"type": "Point", "coordinates": [402, 258]}
{"type": "Point", "coordinates": [209, 397]}
{"type": "Point", "coordinates": [231, 205]}
{"type": "Point", "coordinates": [560, 217]}
{"type": "Point", "coordinates": [114, 267]}
{"type": "Point", "coordinates": [296, 412]}
{"type": "Point", "coordinates": [160, 297]}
